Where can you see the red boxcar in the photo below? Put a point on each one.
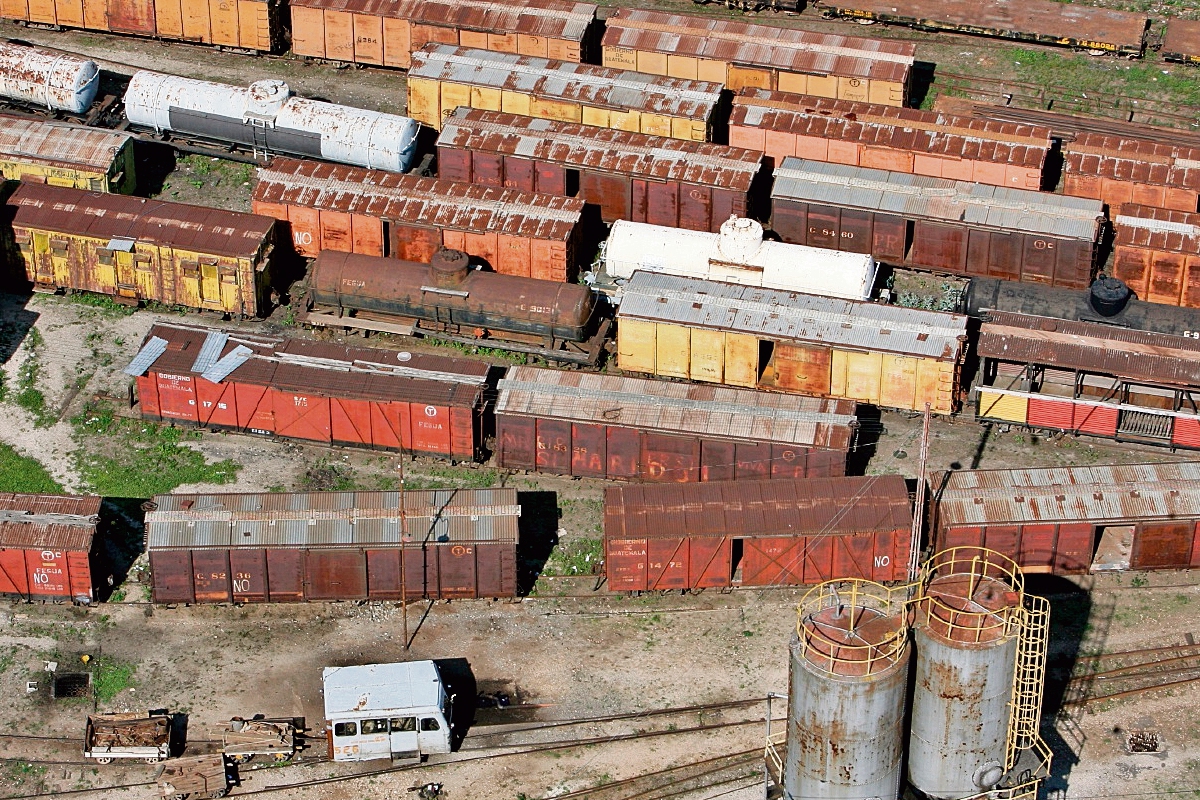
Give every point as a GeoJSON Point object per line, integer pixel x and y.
{"type": "Point", "coordinates": [298, 389]}
{"type": "Point", "coordinates": [1075, 519]}
{"type": "Point", "coordinates": [756, 533]}
{"type": "Point", "coordinates": [1121, 169]}
{"type": "Point", "coordinates": [603, 426]}
{"type": "Point", "coordinates": [46, 546]}
{"type": "Point", "coordinates": [260, 548]}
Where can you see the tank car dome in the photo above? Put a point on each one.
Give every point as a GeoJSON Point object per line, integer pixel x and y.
{"type": "Point", "coordinates": [1109, 296]}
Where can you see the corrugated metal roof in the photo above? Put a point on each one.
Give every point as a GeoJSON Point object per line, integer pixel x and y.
{"type": "Point", "coordinates": [1133, 160]}
{"type": "Point", "coordinates": [557, 19]}
{"type": "Point", "coordinates": [59, 143]}
{"type": "Point", "coordinates": [711, 411]}
{"type": "Point", "coordinates": [804, 507]}
{"type": "Point", "coordinates": [1103, 494]}
{"type": "Point", "coordinates": [584, 83]}
{"type": "Point", "coordinates": [789, 316]}
{"type": "Point", "coordinates": [922, 197]}
{"type": "Point", "coordinates": [110, 216]}
{"type": "Point", "coordinates": [150, 352]}
{"type": "Point", "coordinates": [414, 200]}
{"type": "Point", "coordinates": [886, 126]}
{"type": "Point", "coordinates": [599, 149]}
{"type": "Point", "coordinates": [1160, 229]}
{"type": "Point", "coordinates": [316, 519]}
{"type": "Point", "coordinates": [326, 369]}
{"type": "Point", "coordinates": [1063, 344]}
{"type": "Point", "coordinates": [50, 521]}
{"type": "Point", "coordinates": [759, 45]}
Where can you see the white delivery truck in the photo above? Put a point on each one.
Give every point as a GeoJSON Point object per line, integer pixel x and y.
{"type": "Point", "coordinates": [395, 711]}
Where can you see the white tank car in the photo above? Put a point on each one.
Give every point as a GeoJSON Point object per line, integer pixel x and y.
{"type": "Point", "coordinates": [267, 117]}
{"type": "Point", "coordinates": [55, 80]}
{"type": "Point", "coordinates": [739, 255]}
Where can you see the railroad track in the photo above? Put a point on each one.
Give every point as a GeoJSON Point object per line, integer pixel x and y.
{"type": "Point", "coordinates": [680, 780]}
{"type": "Point", "coordinates": [1116, 676]}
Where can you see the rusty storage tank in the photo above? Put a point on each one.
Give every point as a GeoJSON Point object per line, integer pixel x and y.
{"type": "Point", "coordinates": [966, 630]}
{"type": "Point", "coordinates": [848, 686]}
{"type": "Point", "coordinates": [267, 117]}
{"type": "Point", "coordinates": [56, 81]}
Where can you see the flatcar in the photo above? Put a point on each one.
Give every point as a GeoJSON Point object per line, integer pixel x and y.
{"type": "Point", "coordinates": [1182, 41]}
{"type": "Point", "coordinates": [47, 79]}
{"type": "Point", "coordinates": [135, 249]}
{"type": "Point", "coordinates": [387, 34]}
{"type": "Point", "coordinates": [267, 118]}
{"type": "Point", "coordinates": [447, 299]}
{"type": "Point", "coordinates": [62, 154]}
{"type": "Point", "coordinates": [1097, 30]}
{"type": "Point", "coordinates": [933, 224]}
{"type": "Point", "coordinates": [738, 254]}
{"type": "Point", "coordinates": [443, 77]}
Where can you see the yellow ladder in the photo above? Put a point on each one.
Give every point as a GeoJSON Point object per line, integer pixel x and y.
{"type": "Point", "coordinates": [1025, 709]}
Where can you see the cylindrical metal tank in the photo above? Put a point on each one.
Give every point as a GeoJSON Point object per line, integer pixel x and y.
{"type": "Point", "coordinates": [966, 630]}
{"type": "Point", "coordinates": [265, 116]}
{"type": "Point", "coordinates": [739, 255]}
{"type": "Point", "coordinates": [55, 80]}
{"type": "Point", "coordinates": [446, 292]}
{"type": "Point", "coordinates": [848, 684]}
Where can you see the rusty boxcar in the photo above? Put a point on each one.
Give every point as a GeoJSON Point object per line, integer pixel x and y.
{"type": "Point", "coordinates": [1120, 169]}
{"type": "Point", "coordinates": [741, 54]}
{"type": "Point", "coordinates": [387, 33]}
{"type": "Point", "coordinates": [945, 226]}
{"type": "Point", "coordinates": [275, 548]}
{"type": "Point", "coordinates": [1099, 30]}
{"type": "Point", "coordinates": [242, 25]}
{"type": "Point", "coordinates": [1069, 520]}
{"type": "Point", "coordinates": [138, 249]}
{"type": "Point", "coordinates": [756, 533]}
{"type": "Point", "coordinates": [378, 213]}
{"type": "Point", "coordinates": [605, 426]}
{"type": "Point", "coordinates": [626, 175]}
{"type": "Point", "coordinates": [47, 545]}
{"type": "Point", "coordinates": [1091, 378]}
{"type": "Point", "coordinates": [313, 391]}
{"type": "Point", "coordinates": [1182, 41]}
{"type": "Point", "coordinates": [1157, 254]}
{"type": "Point", "coordinates": [444, 77]}
{"type": "Point", "coordinates": [900, 139]}
{"type": "Point", "coordinates": [793, 343]}
{"type": "Point", "coordinates": [62, 154]}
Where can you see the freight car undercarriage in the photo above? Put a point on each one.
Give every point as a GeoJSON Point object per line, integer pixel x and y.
{"type": "Point", "coordinates": [586, 353]}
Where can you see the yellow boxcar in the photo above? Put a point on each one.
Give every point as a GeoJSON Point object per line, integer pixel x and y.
{"type": "Point", "coordinates": [61, 154]}
{"type": "Point", "coordinates": [444, 77]}
{"type": "Point", "coordinates": [788, 342]}
{"type": "Point", "coordinates": [137, 249]}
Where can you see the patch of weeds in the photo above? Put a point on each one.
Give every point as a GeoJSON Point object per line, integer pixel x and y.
{"type": "Point", "coordinates": [578, 557]}
{"type": "Point", "coordinates": [24, 773]}
{"type": "Point", "coordinates": [120, 457]}
{"type": "Point", "coordinates": [7, 659]}
{"type": "Point", "coordinates": [480, 350]}
{"type": "Point", "coordinates": [1139, 581]}
{"type": "Point", "coordinates": [102, 303]}
{"type": "Point", "coordinates": [19, 473]}
{"type": "Point", "coordinates": [329, 476]}
{"type": "Point", "coordinates": [118, 595]}
{"type": "Point", "coordinates": [1095, 77]}
{"type": "Point", "coordinates": [28, 396]}
{"type": "Point", "coordinates": [110, 678]}
{"type": "Point", "coordinates": [445, 476]}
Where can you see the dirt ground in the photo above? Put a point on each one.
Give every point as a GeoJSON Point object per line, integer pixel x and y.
{"type": "Point", "coordinates": [558, 656]}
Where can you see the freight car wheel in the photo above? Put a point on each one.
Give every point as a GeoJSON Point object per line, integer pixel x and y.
{"type": "Point", "coordinates": [182, 796]}
{"type": "Point", "coordinates": [152, 760]}
{"type": "Point", "coordinates": [219, 793]}
{"type": "Point", "coordinates": [283, 758]}
{"type": "Point", "coordinates": [241, 758]}
{"type": "Point", "coordinates": [104, 760]}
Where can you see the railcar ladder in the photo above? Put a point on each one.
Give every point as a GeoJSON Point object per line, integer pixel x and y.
{"type": "Point", "coordinates": [1025, 709]}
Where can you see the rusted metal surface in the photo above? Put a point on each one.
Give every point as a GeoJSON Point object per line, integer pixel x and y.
{"type": "Point", "coordinates": [141, 735]}
{"type": "Point", "coordinates": [334, 546]}
{"type": "Point", "coordinates": [54, 80]}
{"type": "Point", "coordinates": [1157, 253]}
{"type": "Point", "coordinates": [626, 174]}
{"type": "Point", "coordinates": [315, 391]}
{"type": "Point", "coordinates": [629, 428]}
{"type": "Point", "coordinates": [1063, 344]}
{"type": "Point", "coordinates": [348, 282]}
{"type": "Point", "coordinates": [413, 215]}
{"type": "Point", "coordinates": [1032, 20]}
{"type": "Point", "coordinates": [1104, 494]}
{"type": "Point", "coordinates": [203, 776]}
{"type": "Point", "coordinates": [1119, 169]}
{"type": "Point", "coordinates": [742, 43]}
{"type": "Point", "coordinates": [59, 143]}
{"type": "Point", "coordinates": [1159, 229]}
{"type": "Point", "coordinates": [1182, 41]}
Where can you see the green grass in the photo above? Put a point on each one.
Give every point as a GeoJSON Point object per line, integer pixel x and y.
{"type": "Point", "coordinates": [120, 457]}
{"type": "Point", "coordinates": [110, 678]}
{"type": "Point", "coordinates": [102, 302]}
{"type": "Point", "coordinates": [21, 474]}
{"type": "Point", "coordinates": [445, 476]}
{"type": "Point", "coordinates": [574, 558]}
{"type": "Point", "coordinates": [1094, 76]}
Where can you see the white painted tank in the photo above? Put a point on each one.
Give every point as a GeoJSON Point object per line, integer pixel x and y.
{"type": "Point", "coordinates": [738, 254]}
{"type": "Point", "coordinates": [267, 117]}
{"type": "Point", "coordinates": [55, 80]}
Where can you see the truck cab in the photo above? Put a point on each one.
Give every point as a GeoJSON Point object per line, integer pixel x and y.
{"type": "Point", "coordinates": [397, 711]}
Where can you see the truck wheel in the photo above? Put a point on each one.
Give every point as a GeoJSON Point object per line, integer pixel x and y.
{"type": "Point", "coordinates": [153, 760]}
{"type": "Point", "coordinates": [103, 759]}
{"type": "Point", "coordinates": [219, 793]}
{"type": "Point", "coordinates": [182, 796]}
{"type": "Point", "coordinates": [283, 758]}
